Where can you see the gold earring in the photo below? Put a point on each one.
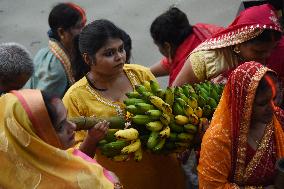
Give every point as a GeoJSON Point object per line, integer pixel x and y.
{"type": "Point", "coordinates": [236, 50]}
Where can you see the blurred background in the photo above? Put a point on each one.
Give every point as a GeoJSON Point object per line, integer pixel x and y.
{"type": "Point", "coordinates": [25, 21]}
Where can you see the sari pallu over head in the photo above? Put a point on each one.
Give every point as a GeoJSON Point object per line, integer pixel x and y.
{"type": "Point", "coordinates": [249, 24]}
{"type": "Point", "coordinates": [241, 87]}
{"type": "Point", "coordinates": [30, 153]}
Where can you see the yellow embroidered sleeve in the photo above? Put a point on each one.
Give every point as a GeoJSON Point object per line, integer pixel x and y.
{"type": "Point", "coordinates": [198, 65]}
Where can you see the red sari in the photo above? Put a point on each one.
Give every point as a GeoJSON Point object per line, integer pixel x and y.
{"type": "Point", "coordinates": [226, 159]}
{"type": "Point", "coordinates": [200, 33]}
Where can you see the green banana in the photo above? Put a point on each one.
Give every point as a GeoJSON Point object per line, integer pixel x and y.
{"type": "Point", "coordinates": [160, 93]}
{"type": "Point", "coordinates": [101, 143]}
{"type": "Point", "coordinates": [194, 95]}
{"type": "Point", "coordinates": [177, 109]}
{"type": "Point", "coordinates": [212, 103]}
{"type": "Point", "coordinates": [153, 140]}
{"type": "Point", "coordinates": [178, 90]}
{"type": "Point", "coordinates": [201, 101]}
{"type": "Point", "coordinates": [190, 128]}
{"type": "Point", "coordinates": [185, 89]}
{"type": "Point", "coordinates": [160, 145]}
{"type": "Point", "coordinates": [132, 101]}
{"type": "Point", "coordinates": [141, 119]}
{"type": "Point", "coordinates": [154, 114]}
{"type": "Point", "coordinates": [204, 95]}
{"type": "Point", "coordinates": [214, 95]}
{"type": "Point", "coordinates": [176, 128]}
{"type": "Point", "coordinates": [169, 96]}
{"type": "Point", "coordinates": [140, 89]}
{"type": "Point", "coordinates": [182, 96]}
{"type": "Point", "coordinates": [154, 126]}
{"type": "Point", "coordinates": [181, 102]}
{"type": "Point", "coordinates": [110, 135]}
{"type": "Point", "coordinates": [154, 86]}
{"type": "Point", "coordinates": [113, 148]}
{"type": "Point", "coordinates": [132, 109]}
{"type": "Point", "coordinates": [133, 94]}
{"type": "Point", "coordinates": [185, 137]}
{"type": "Point", "coordinates": [144, 107]}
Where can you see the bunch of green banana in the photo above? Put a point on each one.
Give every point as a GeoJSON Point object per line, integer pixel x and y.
{"type": "Point", "coordinates": [168, 118]}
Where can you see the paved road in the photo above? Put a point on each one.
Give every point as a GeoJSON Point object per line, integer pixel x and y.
{"type": "Point", "coordinates": [25, 21]}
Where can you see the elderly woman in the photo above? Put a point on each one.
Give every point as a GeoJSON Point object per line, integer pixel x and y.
{"type": "Point", "coordinates": [53, 64]}
{"type": "Point", "coordinates": [34, 135]}
{"type": "Point", "coordinates": [101, 93]}
{"type": "Point", "coordinates": [245, 138]}
{"type": "Point", "coordinates": [16, 66]}
{"type": "Point", "coordinates": [251, 37]}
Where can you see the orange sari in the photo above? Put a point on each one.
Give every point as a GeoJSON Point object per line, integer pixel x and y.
{"type": "Point", "coordinates": [224, 161]}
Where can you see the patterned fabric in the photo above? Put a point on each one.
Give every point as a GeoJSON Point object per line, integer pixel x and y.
{"type": "Point", "coordinates": [224, 153]}
{"type": "Point", "coordinates": [153, 171]}
{"type": "Point", "coordinates": [249, 24]}
{"type": "Point", "coordinates": [200, 33]}
{"type": "Point", "coordinates": [26, 154]}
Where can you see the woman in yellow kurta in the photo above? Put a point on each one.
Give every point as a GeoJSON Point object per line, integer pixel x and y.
{"type": "Point", "coordinates": [244, 140]}
{"type": "Point", "coordinates": [31, 148]}
{"type": "Point", "coordinates": [101, 92]}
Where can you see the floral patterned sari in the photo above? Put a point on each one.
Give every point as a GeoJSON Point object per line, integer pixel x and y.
{"type": "Point", "coordinates": [227, 161]}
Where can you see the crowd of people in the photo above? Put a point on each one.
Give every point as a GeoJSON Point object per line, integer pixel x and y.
{"type": "Point", "coordinates": [86, 70]}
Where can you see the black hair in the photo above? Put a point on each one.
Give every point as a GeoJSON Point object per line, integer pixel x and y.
{"type": "Point", "coordinates": [79, 67]}
{"type": "Point", "coordinates": [266, 36]}
{"type": "Point", "coordinates": [127, 45]}
{"type": "Point", "coordinates": [95, 35]}
{"type": "Point", "coordinates": [63, 15]}
{"type": "Point", "coordinates": [47, 98]}
{"type": "Point", "coordinates": [172, 26]}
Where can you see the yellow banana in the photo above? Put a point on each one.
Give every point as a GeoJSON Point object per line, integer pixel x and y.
{"type": "Point", "coordinates": [165, 119]}
{"type": "Point", "coordinates": [160, 104]}
{"type": "Point", "coordinates": [181, 120]}
{"type": "Point", "coordinates": [193, 119]}
{"type": "Point", "coordinates": [146, 84]}
{"type": "Point", "coordinates": [188, 110]}
{"type": "Point", "coordinates": [134, 146]}
{"type": "Point", "coordinates": [127, 134]}
{"type": "Point", "coordinates": [154, 126]}
{"type": "Point", "coordinates": [138, 154]}
{"type": "Point", "coordinates": [169, 96]}
{"type": "Point", "coordinates": [198, 112]}
{"type": "Point", "coordinates": [165, 133]}
{"type": "Point", "coordinates": [121, 157]}
{"type": "Point", "coordinates": [192, 102]}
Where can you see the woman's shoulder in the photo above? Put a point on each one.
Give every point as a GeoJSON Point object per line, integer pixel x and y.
{"type": "Point", "coordinates": [135, 67]}
{"type": "Point", "coordinates": [77, 88]}
{"type": "Point", "coordinates": [141, 71]}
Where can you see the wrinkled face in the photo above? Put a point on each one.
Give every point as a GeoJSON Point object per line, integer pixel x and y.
{"type": "Point", "coordinates": [65, 129]}
{"type": "Point", "coordinates": [109, 59]}
{"type": "Point", "coordinates": [18, 82]}
{"type": "Point", "coordinates": [263, 106]}
{"type": "Point", "coordinates": [258, 51]}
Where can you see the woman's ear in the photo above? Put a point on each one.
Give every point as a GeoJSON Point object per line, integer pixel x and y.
{"type": "Point", "coordinates": [61, 33]}
{"type": "Point", "coordinates": [87, 59]}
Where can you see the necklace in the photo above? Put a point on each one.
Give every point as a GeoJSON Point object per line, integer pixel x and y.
{"type": "Point", "coordinates": [92, 83]}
